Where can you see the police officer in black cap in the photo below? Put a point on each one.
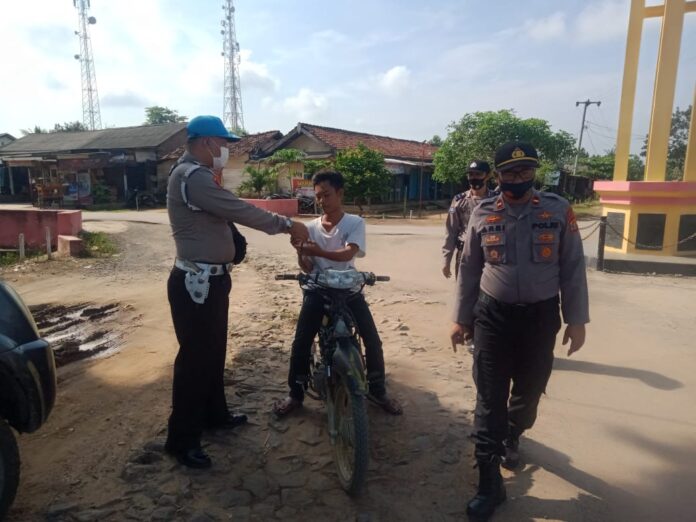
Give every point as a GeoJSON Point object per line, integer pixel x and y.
{"type": "Point", "coordinates": [460, 211]}
{"type": "Point", "coordinates": [522, 249]}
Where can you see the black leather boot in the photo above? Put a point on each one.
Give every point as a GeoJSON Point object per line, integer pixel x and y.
{"type": "Point", "coordinates": [491, 491]}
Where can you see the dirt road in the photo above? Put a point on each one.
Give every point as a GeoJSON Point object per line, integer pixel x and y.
{"type": "Point", "coordinates": [616, 437]}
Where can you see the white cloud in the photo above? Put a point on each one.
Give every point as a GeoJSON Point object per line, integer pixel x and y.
{"type": "Point", "coordinates": [306, 104]}
{"type": "Point", "coordinates": [545, 29]}
{"type": "Point", "coordinates": [470, 60]}
{"type": "Point", "coordinates": [124, 99]}
{"type": "Point", "coordinates": [327, 37]}
{"type": "Point", "coordinates": [602, 21]}
{"type": "Point", "coordinates": [254, 75]}
{"type": "Point", "coordinates": [395, 79]}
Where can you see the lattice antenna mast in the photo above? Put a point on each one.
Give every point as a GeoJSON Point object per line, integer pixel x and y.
{"type": "Point", "coordinates": [232, 102]}
{"type": "Point", "coordinates": [91, 116]}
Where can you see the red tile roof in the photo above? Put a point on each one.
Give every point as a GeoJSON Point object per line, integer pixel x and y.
{"type": "Point", "coordinates": [340, 139]}
{"type": "Point", "coordinates": [252, 142]}
{"type": "Point", "coordinates": [248, 144]}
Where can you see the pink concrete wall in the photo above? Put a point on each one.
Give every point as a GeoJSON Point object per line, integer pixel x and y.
{"type": "Point", "coordinates": [284, 207]}
{"type": "Point", "coordinates": [32, 223]}
{"type": "Point", "coordinates": [69, 222]}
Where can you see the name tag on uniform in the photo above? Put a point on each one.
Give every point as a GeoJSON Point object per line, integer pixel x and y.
{"type": "Point", "coordinates": [493, 228]}
{"type": "Point", "coordinates": [547, 225]}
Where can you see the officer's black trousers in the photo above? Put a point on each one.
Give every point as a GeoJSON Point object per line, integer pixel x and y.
{"type": "Point", "coordinates": [512, 344]}
{"type": "Point", "coordinates": [198, 398]}
{"type": "Point", "coordinates": [308, 325]}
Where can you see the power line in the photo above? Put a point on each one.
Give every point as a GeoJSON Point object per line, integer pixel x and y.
{"type": "Point", "coordinates": [613, 129]}
{"type": "Point", "coordinates": [586, 103]}
{"type": "Point", "coordinates": [589, 137]}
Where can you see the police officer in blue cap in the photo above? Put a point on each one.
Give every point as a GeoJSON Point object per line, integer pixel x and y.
{"type": "Point", "coordinates": [521, 253]}
{"type": "Point", "coordinates": [200, 213]}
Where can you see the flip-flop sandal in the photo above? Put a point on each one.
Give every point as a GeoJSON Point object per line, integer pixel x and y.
{"type": "Point", "coordinates": [286, 406]}
{"type": "Point", "coordinates": [389, 405]}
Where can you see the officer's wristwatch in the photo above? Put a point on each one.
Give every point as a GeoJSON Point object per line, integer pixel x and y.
{"type": "Point", "coordinates": [288, 224]}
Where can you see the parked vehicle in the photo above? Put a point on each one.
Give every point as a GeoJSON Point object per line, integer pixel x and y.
{"type": "Point", "coordinates": [337, 371]}
{"type": "Point", "coordinates": [138, 199]}
{"type": "Point", "coordinates": [27, 386]}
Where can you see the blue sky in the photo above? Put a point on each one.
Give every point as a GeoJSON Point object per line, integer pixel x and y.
{"type": "Point", "coordinates": [398, 68]}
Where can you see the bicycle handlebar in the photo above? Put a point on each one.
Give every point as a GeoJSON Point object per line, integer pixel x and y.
{"type": "Point", "coordinates": [368, 277]}
{"type": "Point", "coordinates": [287, 277]}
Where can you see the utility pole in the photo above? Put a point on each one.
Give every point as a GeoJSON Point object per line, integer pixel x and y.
{"type": "Point", "coordinates": [582, 128]}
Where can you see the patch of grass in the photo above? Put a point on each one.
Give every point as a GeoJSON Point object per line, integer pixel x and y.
{"type": "Point", "coordinates": [12, 258]}
{"type": "Point", "coordinates": [98, 244]}
{"type": "Point", "coordinates": [8, 258]}
{"type": "Point", "coordinates": [588, 208]}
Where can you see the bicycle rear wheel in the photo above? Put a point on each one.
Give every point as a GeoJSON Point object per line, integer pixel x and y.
{"type": "Point", "coordinates": [351, 451]}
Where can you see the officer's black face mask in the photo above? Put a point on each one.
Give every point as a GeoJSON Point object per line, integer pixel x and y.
{"type": "Point", "coordinates": [516, 190]}
{"type": "Point", "coordinates": [476, 183]}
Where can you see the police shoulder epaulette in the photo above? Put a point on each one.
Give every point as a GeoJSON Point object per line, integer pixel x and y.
{"type": "Point", "coordinates": [459, 196]}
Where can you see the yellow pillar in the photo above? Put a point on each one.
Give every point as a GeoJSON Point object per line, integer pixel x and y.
{"type": "Point", "coordinates": [628, 90]}
{"type": "Point", "coordinates": [690, 163]}
{"type": "Point", "coordinates": [665, 84]}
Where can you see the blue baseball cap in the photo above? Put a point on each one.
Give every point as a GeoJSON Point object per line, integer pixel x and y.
{"type": "Point", "coordinates": [202, 126]}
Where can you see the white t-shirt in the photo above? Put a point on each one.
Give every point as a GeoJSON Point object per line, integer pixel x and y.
{"type": "Point", "coordinates": [349, 230]}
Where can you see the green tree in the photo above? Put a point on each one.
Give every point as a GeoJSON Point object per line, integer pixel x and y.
{"type": "Point", "coordinates": [676, 149]}
{"type": "Point", "coordinates": [286, 163]}
{"type": "Point", "coordinates": [71, 126]}
{"type": "Point", "coordinates": [477, 136]}
{"type": "Point", "coordinates": [260, 179]}
{"type": "Point", "coordinates": [601, 166]}
{"type": "Point", "coordinates": [311, 167]}
{"type": "Point", "coordinates": [435, 140]}
{"type": "Point", "coordinates": [636, 168]}
{"type": "Point", "coordinates": [365, 174]}
{"type": "Point", "coordinates": [157, 115]}
{"type": "Point", "coordinates": [35, 130]}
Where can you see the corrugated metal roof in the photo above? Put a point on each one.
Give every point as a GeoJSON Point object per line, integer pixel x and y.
{"type": "Point", "coordinates": [141, 137]}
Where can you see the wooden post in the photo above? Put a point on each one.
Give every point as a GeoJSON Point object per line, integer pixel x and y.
{"type": "Point", "coordinates": [405, 195]}
{"type": "Point", "coordinates": [21, 247]}
{"type": "Point", "coordinates": [600, 244]}
{"type": "Point", "coordinates": [12, 187]}
{"type": "Point", "coordinates": [48, 242]}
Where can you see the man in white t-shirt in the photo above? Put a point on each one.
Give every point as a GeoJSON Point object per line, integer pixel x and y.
{"type": "Point", "coordinates": [335, 239]}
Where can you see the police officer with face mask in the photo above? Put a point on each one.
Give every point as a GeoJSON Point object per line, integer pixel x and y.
{"type": "Point", "coordinates": [522, 250]}
{"type": "Point", "coordinates": [460, 211]}
{"type": "Point", "coordinates": [200, 211]}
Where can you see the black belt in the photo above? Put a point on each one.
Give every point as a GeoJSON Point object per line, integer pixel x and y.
{"type": "Point", "coordinates": [517, 307]}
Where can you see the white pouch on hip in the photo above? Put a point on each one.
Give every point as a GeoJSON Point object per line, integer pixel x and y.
{"type": "Point", "coordinates": [198, 285]}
